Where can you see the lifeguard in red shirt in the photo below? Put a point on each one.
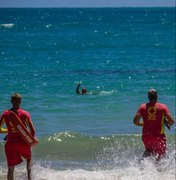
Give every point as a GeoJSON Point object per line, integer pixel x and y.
{"type": "Point", "coordinates": [154, 115]}
{"type": "Point", "coordinates": [16, 147]}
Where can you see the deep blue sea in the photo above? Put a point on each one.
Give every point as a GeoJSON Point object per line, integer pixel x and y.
{"type": "Point", "coordinates": [118, 54]}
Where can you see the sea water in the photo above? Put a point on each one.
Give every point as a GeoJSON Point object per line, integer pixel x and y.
{"type": "Point", "coordinates": [117, 54]}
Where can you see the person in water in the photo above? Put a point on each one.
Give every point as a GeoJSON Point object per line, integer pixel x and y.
{"type": "Point", "coordinates": [83, 90]}
{"type": "Point", "coordinates": [16, 148]}
{"type": "Point", "coordinates": [154, 115]}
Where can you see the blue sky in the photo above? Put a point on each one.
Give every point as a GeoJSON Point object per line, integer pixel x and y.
{"type": "Point", "coordinates": [87, 3]}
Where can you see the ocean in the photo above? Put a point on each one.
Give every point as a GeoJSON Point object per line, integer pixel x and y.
{"type": "Point", "coordinates": [118, 54]}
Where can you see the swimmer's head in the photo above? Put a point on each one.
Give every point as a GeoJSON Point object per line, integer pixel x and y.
{"type": "Point", "coordinates": [84, 90]}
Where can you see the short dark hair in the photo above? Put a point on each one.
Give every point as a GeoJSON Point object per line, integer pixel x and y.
{"type": "Point", "coordinates": [152, 95]}
{"type": "Point", "coordinates": [16, 96]}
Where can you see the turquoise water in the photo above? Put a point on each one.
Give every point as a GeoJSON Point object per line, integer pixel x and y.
{"type": "Point", "coordinates": [117, 54]}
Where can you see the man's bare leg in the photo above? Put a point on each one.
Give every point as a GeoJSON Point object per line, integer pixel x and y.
{"type": "Point", "coordinates": [28, 167]}
{"type": "Point", "coordinates": [10, 173]}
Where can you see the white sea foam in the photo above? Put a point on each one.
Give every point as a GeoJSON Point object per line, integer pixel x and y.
{"type": "Point", "coordinates": [9, 25]}
{"type": "Point", "coordinates": [147, 170]}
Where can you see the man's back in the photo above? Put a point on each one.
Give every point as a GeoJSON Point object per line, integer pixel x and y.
{"type": "Point", "coordinates": [153, 114]}
{"type": "Point", "coordinates": [13, 135]}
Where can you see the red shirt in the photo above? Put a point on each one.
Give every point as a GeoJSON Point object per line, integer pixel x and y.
{"type": "Point", "coordinates": [12, 132]}
{"type": "Point", "coordinates": [153, 114]}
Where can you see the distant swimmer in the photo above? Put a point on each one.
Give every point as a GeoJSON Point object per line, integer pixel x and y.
{"type": "Point", "coordinates": [16, 148]}
{"type": "Point", "coordinates": [155, 115]}
{"type": "Point", "coordinates": [83, 90]}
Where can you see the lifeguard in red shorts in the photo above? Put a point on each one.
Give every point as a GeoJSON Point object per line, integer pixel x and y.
{"type": "Point", "coordinates": [16, 148]}
{"type": "Point", "coordinates": [154, 115]}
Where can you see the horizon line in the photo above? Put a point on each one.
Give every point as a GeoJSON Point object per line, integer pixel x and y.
{"type": "Point", "coordinates": [90, 7]}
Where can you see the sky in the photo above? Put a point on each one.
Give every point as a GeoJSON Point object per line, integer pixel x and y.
{"type": "Point", "coordinates": [87, 3]}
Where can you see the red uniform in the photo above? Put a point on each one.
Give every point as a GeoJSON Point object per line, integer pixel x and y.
{"type": "Point", "coordinates": [153, 130]}
{"type": "Point", "coordinates": [16, 147]}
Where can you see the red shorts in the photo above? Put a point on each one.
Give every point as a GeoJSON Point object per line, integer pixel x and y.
{"type": "Point", "coordinates": [15, 151]}
{"type": "Point", "coordinates": [155, 144]}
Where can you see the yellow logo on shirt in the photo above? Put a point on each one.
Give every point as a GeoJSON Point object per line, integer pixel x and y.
{"type": "Point", "coordinates": [151, 113]}
{"type": "Point", "coordinates": [12, 127]}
